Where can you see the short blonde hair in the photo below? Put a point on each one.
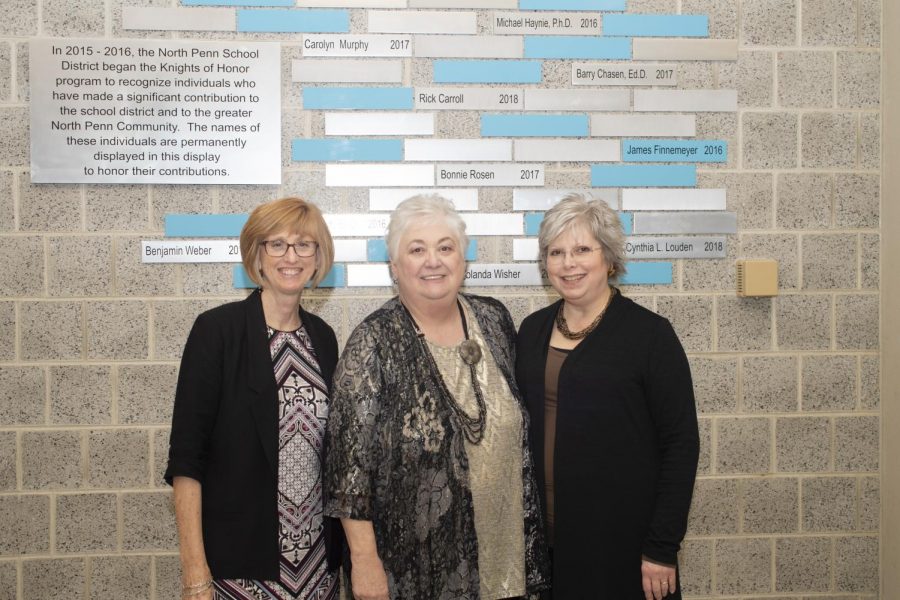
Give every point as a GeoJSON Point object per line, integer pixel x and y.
{"type": "Point", "coordinates": [299, 217]}
{"type": "Point", "coordinates": [579, 209]}
{"type": "Point", "coordinates": [430, 208]}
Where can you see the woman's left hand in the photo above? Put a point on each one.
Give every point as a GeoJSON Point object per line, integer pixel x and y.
{"type": "Point", "coordinates": [658, 580]}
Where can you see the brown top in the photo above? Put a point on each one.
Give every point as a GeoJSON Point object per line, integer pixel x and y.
{"type": "Point", "coordinates": [555, 359]}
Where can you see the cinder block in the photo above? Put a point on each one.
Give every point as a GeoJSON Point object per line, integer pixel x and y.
{"type": "Point", "coordinates": [856, 444]}
{"type": "Point", "coordinates": [86, 523]}
{"type": "Point", "coordinates": [714, 507]}
{"type": "Point", "coordinates": [27, 254]}
{"type": "Point", "coordinates": [806, 79]}
{"type": "Point", "coordinates": [770, 384]}
{"type": "Point", "coordinates": [856, 564]}
{"type": "Point", "coordinates": [803, 564]}
{"type": "Point", "coordinates": [51, 460]}
{"type": "Point", "coordinates": [84, 18]}
{"type": "Point", "coordinates": [715, 384]}
{"type": "Point", "coordinates": [118, 577]}
{"type": "Point", "coordinates": [79, 266]}
{"type": "Point", "coordinates": [54, 579]}
{"type": "Point", "coordinates": [803, 444]}
{"type": "Point", "coordinates": [743, 566]}
{"type": "Point", "coordinates": [770, 140]}
{"type": "Point", "coordinates": [803, 322]}
{"type": "Point", "coordinates": [146, 393]}
{"type": "Point", "coordinates": [770, 505]}
{"type": "Point", "coordinates": [80, 394]}
{"type": "Point", "coordinates": [149, 521]}
{"type": "Point", "coordinates": [691, 316]}
{"type": "Point", "coordinates": [744, 324]}
{"type": "Point", "coordinates": [829, 140]}
{"type": "Point", "coordinates": [25, 522]}
{"type": "Point", "coordinates": [829, 261]}
{"type": "Point", "coordinates": [769, 22]}
{"type": "Point", "coordinates": [829, 383]}
{"type": "Point", "coordinates": [118, 458]}
{"type": "Point", "coordinates": [829, 504]}
{"type": "Point", "coordinates": [51, 330]}
{"type": "Point", "coordinates": [828, 23]}
{"type": "Point", "coordinates": [22, 395]}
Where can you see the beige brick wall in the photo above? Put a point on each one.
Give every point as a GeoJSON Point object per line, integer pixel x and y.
{"type": "Point", "coordinates": [787, 502]}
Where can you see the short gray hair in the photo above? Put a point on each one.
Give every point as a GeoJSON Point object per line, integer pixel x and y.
{"type": "Point", "coordinates": [430, 208]}
{"type": "Point", "coordinates": [580, 209]}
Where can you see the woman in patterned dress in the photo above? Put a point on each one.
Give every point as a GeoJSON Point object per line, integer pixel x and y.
{"type": "Point", "coordinates": [428, 466]}
{"type": "Point", "coordinates": [247, 443]}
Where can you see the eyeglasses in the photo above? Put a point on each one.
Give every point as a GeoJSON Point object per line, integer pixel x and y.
{"type": "Point", "coordinates": [579, 254]}
{"type": "Point", "coordinates": [278, 248]}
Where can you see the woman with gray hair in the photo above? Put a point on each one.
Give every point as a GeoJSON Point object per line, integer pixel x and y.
{"type": "Point", "coordinates": [429, 468]}
{"type": "Point", "coordinates": [614, 425]}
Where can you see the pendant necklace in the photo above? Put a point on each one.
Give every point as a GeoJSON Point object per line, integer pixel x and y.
{"type": "Point", "coordinates": [470, 353]}
{"type": "Point", "coordinates": [563, 327]}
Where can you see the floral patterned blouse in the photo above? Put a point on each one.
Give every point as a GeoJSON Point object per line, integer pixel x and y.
{"type": "Point", "coordinates": [396, 457]}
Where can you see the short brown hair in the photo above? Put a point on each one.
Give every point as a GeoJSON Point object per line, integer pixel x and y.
{"type": "Point", "coordinates": [298, 216]}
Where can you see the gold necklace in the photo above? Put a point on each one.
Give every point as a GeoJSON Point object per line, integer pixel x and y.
{"type": "Point", "coordinates": [563, 327]}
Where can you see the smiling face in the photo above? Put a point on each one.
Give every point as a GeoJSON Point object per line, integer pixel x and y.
{"type": "Point", "coordinates": [287, 275]}
{"type": "Point", "coordinates": [429, 264]}
{"type": "Point", "coordinates": [580, 277]}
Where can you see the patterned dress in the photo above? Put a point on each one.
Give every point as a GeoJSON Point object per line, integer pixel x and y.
{"type": "Point", "coordinates": [303, 413]}
{"type": "Point", "coordinates": [397, 457]}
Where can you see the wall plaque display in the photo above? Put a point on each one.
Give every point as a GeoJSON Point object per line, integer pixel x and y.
{"type": "Point", "coordinates": [127, 111]}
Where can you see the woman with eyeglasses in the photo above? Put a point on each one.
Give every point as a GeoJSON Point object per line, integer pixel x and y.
{"type": "Point", "coordinates": [247, 444]}
{"type": "Point", "coordinates": [614, 426]}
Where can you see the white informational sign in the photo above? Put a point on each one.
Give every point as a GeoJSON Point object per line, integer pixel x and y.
{"type": "Point", "coordinates": [129, 111]}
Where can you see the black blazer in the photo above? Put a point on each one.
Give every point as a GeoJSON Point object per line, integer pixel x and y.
{"type": "Point", "coordinates": [626, 448]}
{"type": "Point", "coordinates": [225, 435]}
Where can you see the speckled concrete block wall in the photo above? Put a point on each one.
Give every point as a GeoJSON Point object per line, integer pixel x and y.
{"type": "Point", "coordinates": [787, 501]}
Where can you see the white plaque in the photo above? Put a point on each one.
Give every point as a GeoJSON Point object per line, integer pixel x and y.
{"type": "Point", "coordinates": [322, 70]}
{"type": "Point", "coordinates": [486, 175]}
{"type": "Point", "coordinates": [673, 199]}
{"type": "Point", "coordinates": [459, 98]}
{"type": "Point", "coordinates": [468, 46]}
{"type": "Point", "coordinates": [388, 198]}
{"type": "Point", "coordinates": [623, 125]}
{"type": "Point", "coordinates": [378, 175]}
{"type": "Point", "coordinates": [357, 224]}
{"type": "Point", "coordinates": [463, 150]}
{"type": "Point", "coordinates": [379, 123]}
{"type": "Point", "coordinates": [561, 99]}
{"type": "Point", "coordinates": [675, 247]}
{"type": "Point", "coordinates": [545, 199]}
{"type": "Point", "coordinates": [685, 100]}
{"type": "Point", "coordinates": [597, 73]}
{"type": "Point", "coordinates": [127, 111]}
{"type": "Point", "coordinates": [190, 251]}
{"type": "Point", "coordinates": [422, 21]}
{"type": "Point", "coordinates": [642, 247]}
{"type": "Point", "coordinates": [356, 45]}
{"type": "Point", "coordinates": [494, 223]}
{"type": "Point", "coordinates": [229, 251]}
{"type": "Point", "coordinates": [568, 150]}
{"type": "Point", "coordinates": [489, 274]}
{"type": "Point", "coordinates": [477, 274]}
{"type": "Point", "coordinates": [546, 23]}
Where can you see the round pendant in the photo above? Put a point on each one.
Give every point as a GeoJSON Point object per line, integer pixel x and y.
{"type": "Point", "coordinates": [470, 352]}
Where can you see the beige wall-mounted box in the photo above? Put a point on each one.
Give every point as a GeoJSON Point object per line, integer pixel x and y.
{"type": "Point", "coordinates": [757, 277]}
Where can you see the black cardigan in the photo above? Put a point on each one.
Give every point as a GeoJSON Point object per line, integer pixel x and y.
{"type": "Point", "coordinates": [225, 435]}
{"type": "Point", "coordinates": [626, 447]}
